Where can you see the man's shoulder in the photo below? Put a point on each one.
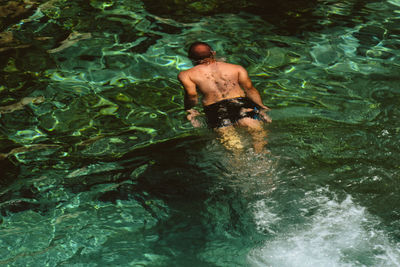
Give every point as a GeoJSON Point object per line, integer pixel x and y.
{"type": "Point", "coordinates": [187, 73]}
{"type": "Point", "coordinates": [183, 73]}
{"type": "Point", "coordinates": [187, 70]}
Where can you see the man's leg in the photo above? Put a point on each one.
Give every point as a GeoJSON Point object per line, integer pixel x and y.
{"type": "Point", "coordinates": [229, 137]}
{"type": "Point", "coordinates": [257, 132]}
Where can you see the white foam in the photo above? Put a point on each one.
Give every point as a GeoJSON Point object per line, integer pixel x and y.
{"type": "Point", "coordinates": [338, 234]}
{"type": "Point", "coordinates": [264, 218]}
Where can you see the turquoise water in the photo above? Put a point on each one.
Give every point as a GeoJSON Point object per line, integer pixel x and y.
{"type": "Point", "coordinates": [100, 168]}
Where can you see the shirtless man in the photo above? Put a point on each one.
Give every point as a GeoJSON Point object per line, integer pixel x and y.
{"type": "Point", "coordinates": [229, 98]}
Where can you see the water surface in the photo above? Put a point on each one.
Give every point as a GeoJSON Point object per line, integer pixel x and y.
{"type": "Point", "coordinates": [100, 168]}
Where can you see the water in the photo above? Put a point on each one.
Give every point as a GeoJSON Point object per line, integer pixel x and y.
{"type": "Point", "coordinates": [99, 167]}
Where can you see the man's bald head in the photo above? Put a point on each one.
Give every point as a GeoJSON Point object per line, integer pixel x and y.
{"type": "Point", "coordinates": [199, 51]}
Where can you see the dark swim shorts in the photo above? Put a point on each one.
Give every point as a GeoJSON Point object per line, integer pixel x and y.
{"type": "Point", "coordinates": [228, 111]}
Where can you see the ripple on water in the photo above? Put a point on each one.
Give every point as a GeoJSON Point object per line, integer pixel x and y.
{"type": "Point", "coordinates": [104, 169]}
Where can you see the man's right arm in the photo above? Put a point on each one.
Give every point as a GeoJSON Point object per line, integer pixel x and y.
{"type": "Point", "coordinates": [189, 86]}
{"type": "Point", "coordinates": [190, 99]}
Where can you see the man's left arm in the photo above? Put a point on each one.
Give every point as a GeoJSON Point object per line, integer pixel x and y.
{"type": "Point", "coordinates": [252, 92]}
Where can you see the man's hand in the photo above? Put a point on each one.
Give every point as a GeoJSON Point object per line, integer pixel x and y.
{"type": "Point", "coordinates": [264, 115]}
{"type": "Point", "coordinates": [191, 116]}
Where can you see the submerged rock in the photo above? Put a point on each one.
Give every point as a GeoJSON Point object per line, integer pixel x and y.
{"type": "Point", "coordinates": [7, 42]}
{"type": "Point", "coordinates": [28, 148]}
{"type": "Point", "coordinates": [20, 105]}
{"type": "Point", "coordinates": [11, 11]}
{"type": "Point", "coordinates": [72, 39]}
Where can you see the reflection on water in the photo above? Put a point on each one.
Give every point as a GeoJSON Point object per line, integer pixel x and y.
{"type": "Point", "coordinates": [99, 167]}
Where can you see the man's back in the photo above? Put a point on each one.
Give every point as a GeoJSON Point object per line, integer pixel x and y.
{"type": "Point", "coordinates": [229, 97]}
{"type": "Point", "coordinates": [216, 81]}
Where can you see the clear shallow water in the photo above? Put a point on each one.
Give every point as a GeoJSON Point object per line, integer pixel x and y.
{"type": "Point", "coordinates": [100, 168]}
